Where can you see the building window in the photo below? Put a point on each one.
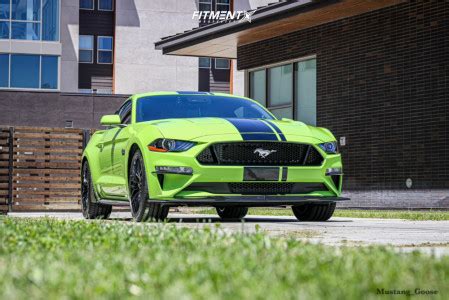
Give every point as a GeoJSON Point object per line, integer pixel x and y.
{"type": "Point", "coordinates": [25, 31]}
{"type": "Point", "coordinates": [86, 54]}
{"type": "Point", "coordinates": [107, 5]}
{"type": "Point", "coordinates": [4, 29]}
{"type": "Point", "coordinates": [26, 10]}
{"type": "Point", "coordinates": [5, 8]}
{"type": "Point", "coordinates": [4, 70]}
{"type": "Point", "coordinates": [305, 91]}
{"type": "Point", "coordinates": [25, 19]}
{"type": "Point", "coordinates": [288, 91]}
{"type": "Point", "coordinates": [280, 91]}
{"type": "Point", "coordinates": [104, 51]}
{"type": "Point", "coordinates": [29, 20]}
{"type": "Point", "coordinates": [49, 72]}
{"type": "Point", "coordinates": [87, 4]}
{"type": "Point", "coordinates": [26, 71]}
{"type": "Point", "coordinates": [50, 20]}
{"type": "Point", "coordinates": [222, 63]}
{"type": "Point", "coordinates": [5, 23]}
{"type": "Point", "coordinates": [205, 5]}
{"type": "Point", "coordinates": [258, 86]}
{"type": "Point", "coordinates": [223, 5]}
{"type": "Point", "coordinates": [204, 62]}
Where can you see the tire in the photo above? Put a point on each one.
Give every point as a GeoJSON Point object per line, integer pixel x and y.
{"type": "Point", "coordinates": [314, 212]}
{"type": "Point", "coordinates": [232, 212]}
{"type": "Point", "coordinates": [89, 207]}
{"type": "Point", "coordinates": [141, 208]}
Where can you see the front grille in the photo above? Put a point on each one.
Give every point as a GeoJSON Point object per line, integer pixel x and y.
{"type": "Point", "coordinates": [260, 154]}
{"type": "Point", "coordinates": [257, 188]}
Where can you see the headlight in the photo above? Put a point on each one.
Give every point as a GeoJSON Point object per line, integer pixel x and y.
{"type": "Point", "coordinates": [167, 145]}
{"type": "Point", "coordinates": [330, 147]}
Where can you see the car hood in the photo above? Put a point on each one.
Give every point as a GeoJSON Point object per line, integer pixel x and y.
{"type": "Point", "coordinates": [192, 128]}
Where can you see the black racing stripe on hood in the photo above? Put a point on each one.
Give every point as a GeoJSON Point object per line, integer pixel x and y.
{"type": "Point", "coordinates": [259, 137]}
{"type": "Point", "coordinates": [253, 130]}
{"type": "Point", "coordinates": [278, 130]}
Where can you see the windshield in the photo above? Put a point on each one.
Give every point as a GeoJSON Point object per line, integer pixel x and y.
{"type": "Point", "coordinates": [197, 106]}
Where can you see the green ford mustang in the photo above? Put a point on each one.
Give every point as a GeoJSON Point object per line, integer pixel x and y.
{"type": "Point", "coordinates": [171, 149]}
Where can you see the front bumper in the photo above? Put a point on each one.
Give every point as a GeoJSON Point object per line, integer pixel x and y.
{"type": "Point", "coordinates": [174, 187]}
{"type": "Point", "coordinates": [250, 201]}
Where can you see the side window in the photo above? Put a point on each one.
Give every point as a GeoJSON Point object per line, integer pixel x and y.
{"type": "Point", "coordinates": [124, 109]}
{"type": "Point", "coordinates": [127, 118]}
{"type": "Point", "coordinates": [125, 112]}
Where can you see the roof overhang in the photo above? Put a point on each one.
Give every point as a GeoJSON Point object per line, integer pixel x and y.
{"type": "Point", "coordinates": [222, 39]}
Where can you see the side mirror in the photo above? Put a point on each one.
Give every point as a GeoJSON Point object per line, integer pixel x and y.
{"type": "Point", "coordinates": [110, 120]}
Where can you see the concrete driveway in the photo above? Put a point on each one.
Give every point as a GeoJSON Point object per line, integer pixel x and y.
{"type": "Point", "coordinates": [427, 235]}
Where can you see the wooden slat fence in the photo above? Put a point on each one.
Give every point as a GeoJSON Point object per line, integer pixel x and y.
{"type": "Point", "coordinates": [45, 169]}
{"type": "Point", "coordinates": [4, 169]}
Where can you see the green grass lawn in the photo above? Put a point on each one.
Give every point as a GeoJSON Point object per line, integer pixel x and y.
{"type": "Point", "coordinates": [51, 259]}
{"type": "Point", "coordinates": [352, 213]}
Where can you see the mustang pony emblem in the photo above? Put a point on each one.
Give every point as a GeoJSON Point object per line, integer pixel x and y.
{"type": "Point", "coordinates": [264, 153]}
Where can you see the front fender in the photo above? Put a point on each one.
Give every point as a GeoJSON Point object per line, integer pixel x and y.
{"type": "Point", "coordinates": [141, 135]}
{"type": "Point", "coordinates": [92, 154]}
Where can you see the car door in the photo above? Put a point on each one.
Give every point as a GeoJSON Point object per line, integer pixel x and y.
{"type": "Point", "coordinates": [118, 150]}
{"type": "Point", "coordinates": [111, 185]}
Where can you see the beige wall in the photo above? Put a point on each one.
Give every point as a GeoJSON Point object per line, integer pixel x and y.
{"type": "Point", "coordinates": [138, 66]}
{"type": "Point", "coordinates": [238, 81]}
{"type": "Point", "coordinates": [69, 40]}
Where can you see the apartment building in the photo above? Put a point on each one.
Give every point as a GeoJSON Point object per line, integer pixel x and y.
{"type": "Point", "coordinates": [67, 62]}
{"type": "Point", "coordinates": [104, 46]}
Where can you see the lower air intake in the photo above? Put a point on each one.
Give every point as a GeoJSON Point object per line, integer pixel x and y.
{"type": "Point", "coordinates": [257, 188]}
{"type": "Point", "coordinates": [261, 188]}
